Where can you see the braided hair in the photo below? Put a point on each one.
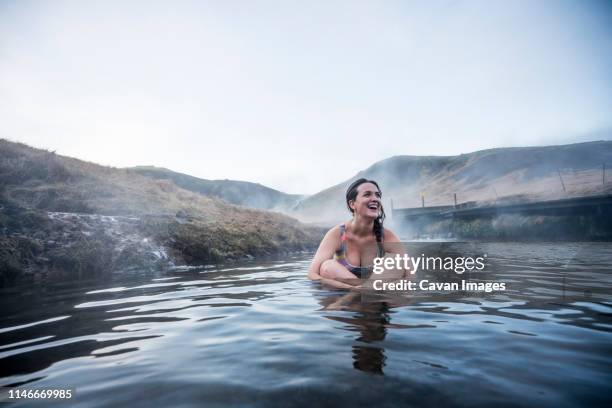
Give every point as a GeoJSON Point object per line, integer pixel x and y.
{"type": "Point", "coordinates": [351, 195]}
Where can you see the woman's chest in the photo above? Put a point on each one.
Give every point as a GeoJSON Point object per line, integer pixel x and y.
{"type": "Point", "coordinates": [359, 250]}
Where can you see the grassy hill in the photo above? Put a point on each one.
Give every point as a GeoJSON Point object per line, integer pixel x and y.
{"type": "Point", "coordinates": [509, 174]}
{"type": "Point", "coordinates": [193, 228]}
{"type": "Point", "coordinates": [244, 193]}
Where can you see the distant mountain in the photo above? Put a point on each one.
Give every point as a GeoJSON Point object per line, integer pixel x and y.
{"type": "Point", "coordinates": [244, 193]}
{"type": "Point", "coordinates": [509, 174]}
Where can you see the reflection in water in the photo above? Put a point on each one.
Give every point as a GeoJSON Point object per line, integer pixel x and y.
{"type": "Point", "coordinates": [261, 333]}
{"type": "Point", "coordinates": [371, 358]}
{"type": "Point", "coordinates": [370, 320]}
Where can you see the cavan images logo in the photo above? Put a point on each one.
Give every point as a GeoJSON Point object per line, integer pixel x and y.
{"type": "Point", "coordinates": [412, 265]}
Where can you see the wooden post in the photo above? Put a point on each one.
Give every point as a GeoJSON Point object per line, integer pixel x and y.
{"type": "Point", "coordinates": [561, 178]}
{"type": "Point", "coordinates": [455, 197]}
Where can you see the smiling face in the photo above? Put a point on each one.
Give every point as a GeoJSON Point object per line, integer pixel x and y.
{"type": "Point", "coordinates": [368, 202]}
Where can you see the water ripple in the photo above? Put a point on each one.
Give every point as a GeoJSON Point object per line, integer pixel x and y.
{"type": "Point", "coordinates": [260, 333]}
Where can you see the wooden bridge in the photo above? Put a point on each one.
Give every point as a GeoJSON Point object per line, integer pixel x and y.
{"type": "Point", "coordinates": [591, 205]}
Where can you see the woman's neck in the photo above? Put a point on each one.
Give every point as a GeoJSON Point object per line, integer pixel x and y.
{"type": "Point", "coordinates": [362, 226]}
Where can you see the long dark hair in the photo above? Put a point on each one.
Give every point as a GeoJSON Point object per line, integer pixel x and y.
{"type": "Point", "coordinates": [351, 195]}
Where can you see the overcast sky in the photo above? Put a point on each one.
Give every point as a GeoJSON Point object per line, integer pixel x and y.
{"type": "Point", "coordinates": [300, 95]}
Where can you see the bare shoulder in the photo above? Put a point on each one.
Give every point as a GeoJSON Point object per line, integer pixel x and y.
{"type": "Point", "coordinates": [333, 232]}
{"type": "Point", "coordinates": [390, 236]}
{"type": "Point", "coordinates": [332, 236]}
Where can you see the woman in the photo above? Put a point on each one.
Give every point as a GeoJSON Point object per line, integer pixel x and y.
{"type": "Point", "coordinates": [342, 252]}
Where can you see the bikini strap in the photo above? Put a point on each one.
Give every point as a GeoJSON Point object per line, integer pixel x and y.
{"type": "Point", "coordinates": [343, 239]}
{"type": "Point", "coordinates": [342, 232]}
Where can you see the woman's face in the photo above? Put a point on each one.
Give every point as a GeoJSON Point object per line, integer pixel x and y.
{"type": "Point", "coordinates": [367, 203]}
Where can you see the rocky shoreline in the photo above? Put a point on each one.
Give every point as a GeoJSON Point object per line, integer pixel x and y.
{"type": "Point", "coordinates": [35, 242]}
{"type": "Point", "coordinates": [39, 243]}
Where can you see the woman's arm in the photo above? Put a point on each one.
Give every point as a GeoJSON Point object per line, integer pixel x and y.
{"type": "Point", "coordinates": [390, 237]}
{"type": "Point", "coordinates": [337, 284]}
{"type": "Point", "coordinates": [393, 245]}
{"type": "Point", "coordinates": [326, 251]}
